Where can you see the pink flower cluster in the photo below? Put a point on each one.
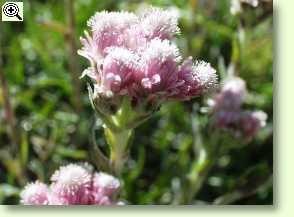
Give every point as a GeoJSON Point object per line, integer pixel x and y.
{"type": "Point", "coordinates": [228, 113]}
{"type": "Point", "coordinates": [73, 185]}
{"type": "Point", "coordinates": [132, 55]}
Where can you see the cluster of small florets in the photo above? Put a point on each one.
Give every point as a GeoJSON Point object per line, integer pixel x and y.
{"type": "Point", "coordinates": [132, 55]}
{"type": "Point", "coordinates": [228, 113]}
{"type": "Point", "coordinates": [73, 185]}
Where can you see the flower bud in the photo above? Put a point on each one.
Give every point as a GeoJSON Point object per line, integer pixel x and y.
{"type": "Point", "coordinates": [72, 183]}
{"type": "Point", "coordinates": [35, 194]}
{"type": "Point", "coordinates": [105, 184]}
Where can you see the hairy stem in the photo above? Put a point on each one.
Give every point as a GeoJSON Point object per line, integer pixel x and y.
{"type": "Point", "coordinates": [119, 129]}
{"type": "Point", "coordinates": [119, 143]}
{"type": "Point", "coordinates": [117, 133]}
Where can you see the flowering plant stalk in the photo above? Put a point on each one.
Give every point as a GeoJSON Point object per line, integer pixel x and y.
{"type": "Point", "coordinates": [228, 122]}
{"type": "Point", "coordinates": [134, 68]}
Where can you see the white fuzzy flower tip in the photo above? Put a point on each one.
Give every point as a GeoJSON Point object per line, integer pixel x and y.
{"type": "Point", "coordinates": [232, 95]}
{"type": "Point", "coordinates": [159, 51]}
{"type": "Point", "coordinates": [106, 184]}
{"type": "Point", "coordinates": [204, 74]}
{"type": "Point", "coordinates": [122, 55]}
{"type": "Point", "coordinates": [108, 28]}
{"type": "Point", "coordinates": [70, 179]}
{"type": "Point", "coordinates": [160, 23]}
{"type": "Point", "coordinates": [34, 194]}
{"type": "Point", "coordinates": [261, 117]}
{"type": "Point", "coordinates": [197, 78]}
{"type": "Point", "coordinates": [118, 20]}
{"type": "Point", "coordinates": [235, 85]}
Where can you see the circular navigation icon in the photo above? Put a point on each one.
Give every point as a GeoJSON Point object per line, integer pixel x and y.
{"type": "Point", "coordinates": [11, 10]}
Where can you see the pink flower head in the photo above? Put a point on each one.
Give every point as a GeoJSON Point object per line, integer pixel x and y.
{"type": "Point", "coordinates": [252, 122]}
{"type": "Point", "coordinates": [35, 194]}
{"type": "Point", "coordinates": [226, 119]}
{"type": "Point", "coordinates": [118, 69]}
{"type": "Point", "coordinates": [132, 56]}
{"type": "Point", "coordinates": [105, 184]}
{"type": "Point", "coordinates": [228, 113]}
{"type": "Point", "coordinates": [72, 183]}
{"type": "Point", "coordinates": [232, 95]}
{"type": "Point", "coordinates": [158, 66]}
{"type": "Point", "coordinates": [197, 78]}
{"type": "Point", "coordinates": [108, 28]}
{"type": "Point", "coordinates": [244, 124]}
{"type": "Point", "coordinates": [158, 23]}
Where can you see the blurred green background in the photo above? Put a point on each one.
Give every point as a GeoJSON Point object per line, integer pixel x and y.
{"type": "Point", "coordinates": [50, 120]}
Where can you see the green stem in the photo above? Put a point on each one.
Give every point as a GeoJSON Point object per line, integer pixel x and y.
{"type": "Point", "coordinates": [198, 175]}
{"type": "Point", "coordinates": [205, 156]}
{"type": "Point", "coordinates": [118, 129]}
{"type": "Point", "coordinates": [100, 160]}
{"type": "Point", "coordinates": [119, 142]}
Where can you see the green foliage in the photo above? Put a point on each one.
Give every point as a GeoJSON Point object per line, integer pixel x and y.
{"type": "Point", "coordinates": [53, 131]}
